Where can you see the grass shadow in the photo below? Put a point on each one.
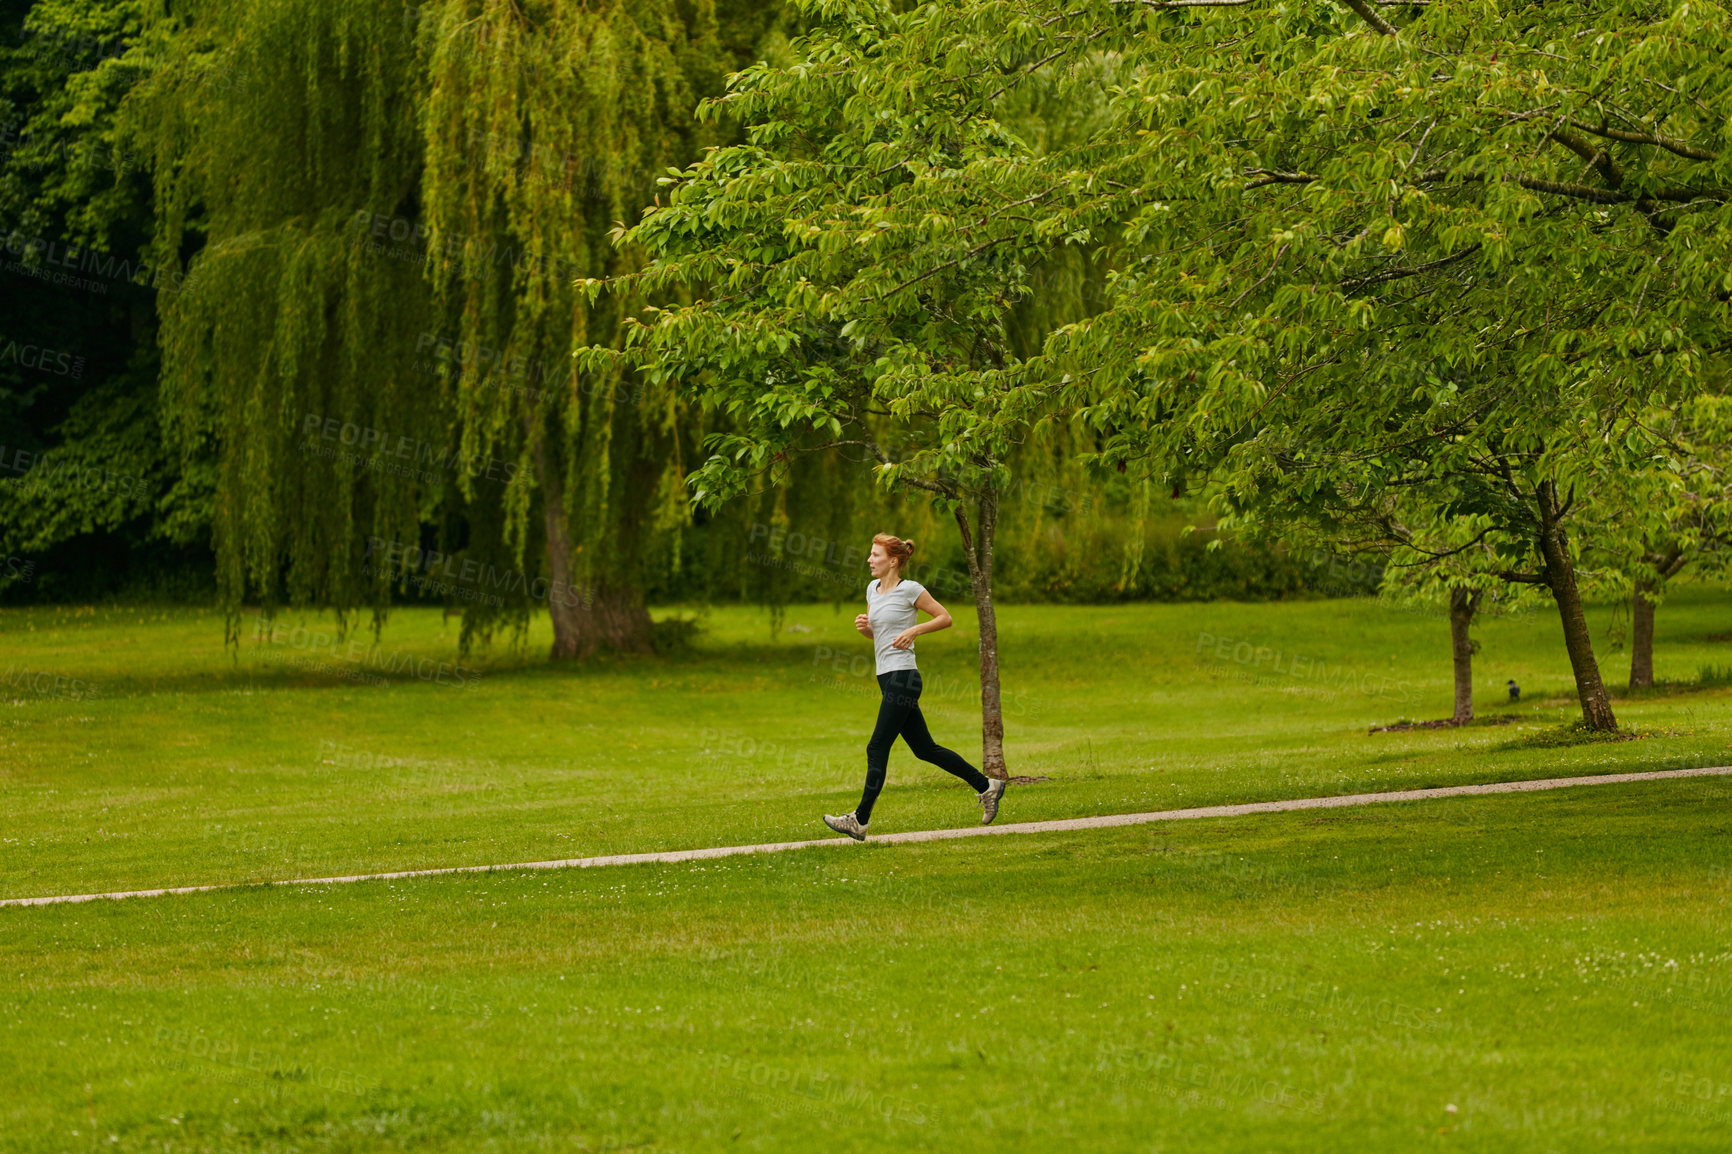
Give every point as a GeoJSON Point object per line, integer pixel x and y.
{"type": "Point", "coordinates": [1576, 733]}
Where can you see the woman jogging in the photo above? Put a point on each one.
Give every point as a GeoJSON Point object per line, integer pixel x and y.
{"type": "Point", "coordinates": [890, 621]}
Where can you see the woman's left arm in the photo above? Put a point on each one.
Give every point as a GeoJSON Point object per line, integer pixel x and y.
{"type": "Point", "coordinates": [929, 605]}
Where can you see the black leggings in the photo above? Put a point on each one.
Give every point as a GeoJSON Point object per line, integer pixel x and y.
{"type": "Point", "coordinates": [899, 715]}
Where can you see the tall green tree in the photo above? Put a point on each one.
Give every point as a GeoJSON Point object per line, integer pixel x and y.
{"type": "Point", "coordinates": [1695, 527]}
{"type": "Point", "coordinates": [846, 280]}
{"type": "Point", "coordinates": [544, 125]}
{"type": "Point", "coordinates": [87, 491]}
{"type": "Point", "coordinates": [377, 212]}
{"type": "Point", "coordinates": [286, 164]}
{"type": "Point", "coordinates": [1458, 247]}
{"type": "Point", "coordinates": [1455, 250]}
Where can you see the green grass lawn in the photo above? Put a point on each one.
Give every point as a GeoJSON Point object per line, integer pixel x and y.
{"type": "Point", "coordinates": [1556, 967]}
{"type": "Point", "coordinates": [159, 758]}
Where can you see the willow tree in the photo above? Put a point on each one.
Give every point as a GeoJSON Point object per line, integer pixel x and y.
{"type": "Point", "coordinates": [545, 124]}
{"type": "Point", "coordinates": [275, 134]}
{"type": "Point", "coordinates": [377, 214]}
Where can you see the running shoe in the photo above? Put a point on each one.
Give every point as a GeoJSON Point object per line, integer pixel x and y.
{"type": "Point", "coordinates": [989, 800]}
{"type": "Point", "coordinates": [846, 823]}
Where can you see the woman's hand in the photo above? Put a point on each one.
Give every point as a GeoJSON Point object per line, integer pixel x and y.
{"type": "Point", "coordinates": [863, 625]}
{"type": "Point", "coordinates": [905, 639]}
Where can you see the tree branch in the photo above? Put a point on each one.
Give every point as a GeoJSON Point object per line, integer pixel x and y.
{"type": "Point", "coordinates": [1048, 59]}
{"type": "Point", "coordinates": [1400, 273]}
{"type": "Point", "coordinates": [1688, 151]}
{"type": "Point", "coordinates": [1377, 22]}
{"type": "Point", "coordinates": [1271, 177]}
{"type": "Point", "coordinates": [1597, 157]}
{"type": "Point", "coordinates": [1531, 183]}
{"type": "Point", "coordinates": [1188, 3]}
{"type": "Point", "coordinates": [1432, 555]}
{"type": "Point", "coordinates": [1279, 253]}
{"type": "Point", "coordinates": [871, 446]}
{"type": "Point", "coordinates": [932, 272]}
{"type": "Point", "coordinates": [1573, 191]}
{"type": "Point", "coordinates": [1578, 191]}
{"type": "Point", "coordinates": [1667, 564]}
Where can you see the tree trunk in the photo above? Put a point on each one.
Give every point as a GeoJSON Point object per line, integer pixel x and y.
{"type": "Point", "coordinates": [979, 555]}
{"type": "Point", "coordinates": [584, 619]}
{"type": "Point", "coordinates": [568, 638]}
{"type": "Point", "coordinates": [615, 618]}
{"type": "Point", "coordinates": [1641, 640]}
{"type": "Point", "coordinates": [1560, 577]}
{"type": "Point", "coordinates": [1666, 565]}
{"type": "Point", "coordinates": [1463, 604]}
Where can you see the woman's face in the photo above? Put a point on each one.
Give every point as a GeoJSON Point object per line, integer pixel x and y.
{"type": "Point", "coordinates": [879, 562]}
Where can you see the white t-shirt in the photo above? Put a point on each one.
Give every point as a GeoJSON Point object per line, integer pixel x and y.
{"type": "Point", "coordinates": [889, 614]}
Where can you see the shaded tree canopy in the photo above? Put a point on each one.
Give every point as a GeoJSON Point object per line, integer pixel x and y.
{"type": "Point", "coordinates": [1465, 251]}
{"type": "Point", "coordinates": [373, 215]}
